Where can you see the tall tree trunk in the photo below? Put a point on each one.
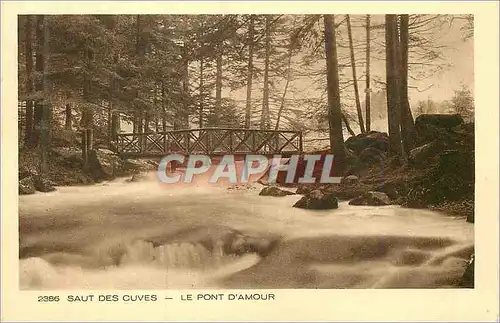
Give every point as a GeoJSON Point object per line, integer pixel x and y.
{"type": "Point", "coordinates": [354, 77]}
{"type": "Point", "coordinates": [157, 123]}
{"type": "Point", "coordinates": [288, 79]}
{"type": "Point", "coordinates": [37, 117]}
{"type": "Point", "coordinates": [200, 104]}
{"type": "Point", "coordinates": [140, 44]}
{"type": "Point", "coordinates": [140, 121]}
{"type": "Point", "coordinates": [182, 114]}
{"type": "Point", "coordinates": [39, 80]}
{"type": "Point", "coordinates": [141, 53]}
{"type": "Point", "coordinates": [147, 121]}
{"type": "Point", "coordinates": [407, 124]}
{"type": "Point", "coordinates": [368, 90]}
{"type": "Point", "coordinates": [334, 108]}
{"type": "Point", "coordinates": [115, 125]}
{"type": "Point", "coordinates": [248, 108]}
{"type": "Point", "coordinates": [135, 122]}
{"type": "Point", "coordinates": [88, 113]}
{"type": "Point", "coordinates": [28, 131]}
{"type": "Point", "coordinates": [291, 46]}
{"type": "Point", "coordinates": [393, 97]}
{"type": "Point", "coordinates": [157, 114]}
{"type": "Point", "coordinates": [218, 87]}
{"type": "Point", "coordinates": [111, 22]}
{"type": "Point", "coordinates": [264, 120]}
{"type": "Point", "coordinates": [114, 120]}
{"type": "Point", "coordinates": [68, 117]}
{"type": "Point", "coordinates": [164, 104]}
{"type": "Point", "coordinates": [42, 106]}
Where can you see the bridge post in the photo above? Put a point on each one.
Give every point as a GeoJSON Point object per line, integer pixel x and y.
{"type": "Point", "coordinates": [253, 141]}
{"type": "Point", "coordinates": [210, 141]}
{"type": "Point", "coordinates": [231, 148]}
{"type": "Point", "coordinates": [165, 143]}
{"type": "Point", "coordinates": [142, 141]}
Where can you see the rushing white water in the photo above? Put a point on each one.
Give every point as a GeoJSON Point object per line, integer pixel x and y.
{"type": "Point", "coordinates": [123, 235]}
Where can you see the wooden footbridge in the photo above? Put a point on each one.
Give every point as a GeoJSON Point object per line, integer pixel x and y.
{"type": "Point", "coordinates": [209, 141]}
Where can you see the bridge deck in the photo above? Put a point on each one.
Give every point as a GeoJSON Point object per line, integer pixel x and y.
{"type": "Point", "coordinates": [210, 141]}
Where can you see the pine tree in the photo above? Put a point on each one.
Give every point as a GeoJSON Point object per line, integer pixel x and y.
{"type": "Point", "coordinates": [334, 107]}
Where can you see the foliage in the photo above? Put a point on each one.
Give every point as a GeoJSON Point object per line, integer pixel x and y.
{"type": "Point", "coordinates": [463, 102]}
{"type": "Point", "coordinates": [147, 67]}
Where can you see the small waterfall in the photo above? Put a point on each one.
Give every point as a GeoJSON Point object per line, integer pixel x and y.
{"type": "Point", "coordinates": [184, 255]}
{"type": "Point", "coordinates": [136, 264]}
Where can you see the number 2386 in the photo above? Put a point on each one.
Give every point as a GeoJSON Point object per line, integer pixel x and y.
{"type": "Point", "coordinates": [46, 299]}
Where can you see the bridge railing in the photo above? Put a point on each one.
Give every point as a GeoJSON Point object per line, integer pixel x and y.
{"type": "Point", "coordinates": [210, 141]}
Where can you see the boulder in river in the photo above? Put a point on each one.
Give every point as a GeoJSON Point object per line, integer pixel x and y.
{"type": "Point", "coordinates": [274, 191]}
{"type": "Point", "coordinates": [371, 198]}
{"type": "Point", "coordinates": [318, 200]}
{"type": "Point", "coordinates": [27, 186]}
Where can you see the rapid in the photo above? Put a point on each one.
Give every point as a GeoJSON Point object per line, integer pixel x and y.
{"type": "Point", "coordinates": [143, 235]}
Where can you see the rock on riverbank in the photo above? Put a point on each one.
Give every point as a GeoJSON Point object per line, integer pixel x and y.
{"type": "Point", "coordinates": [65, 168]}
{"type": "Point", "coordinates": [438, 175]}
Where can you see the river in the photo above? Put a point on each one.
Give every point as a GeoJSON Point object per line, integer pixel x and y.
{"type": "Point", "coordinates": [120, 235]}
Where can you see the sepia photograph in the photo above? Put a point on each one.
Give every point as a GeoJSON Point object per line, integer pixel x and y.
{"type": "Point", "coordinates": [246, 151]}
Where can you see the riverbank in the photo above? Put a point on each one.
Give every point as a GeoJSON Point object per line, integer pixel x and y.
{"type": "Point", "coordinates": [437, 174]}
{"type": "Point", "coordinates": [412, 188]}
{"type": "Point", "coordinates": [65, 168]}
